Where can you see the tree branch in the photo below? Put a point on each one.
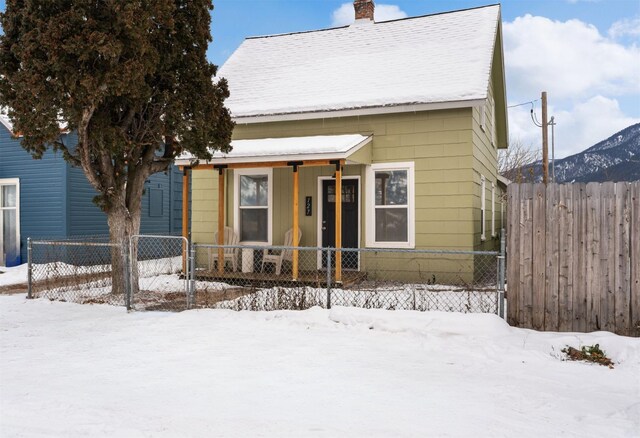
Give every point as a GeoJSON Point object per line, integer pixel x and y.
{"type": "Point", "coordinates": [83, 149]}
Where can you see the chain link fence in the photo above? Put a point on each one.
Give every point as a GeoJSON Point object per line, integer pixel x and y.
{"type": "Point", "coordinates": [263, 278]}
{"type": "Point", "coordinates": [78, 271]}
{"type": "Point", "coordinates": [158, 280]}
{"type": "Point", "coordinates": [166, 273]}
{"type": "Point", "coordinates": [257, 278]}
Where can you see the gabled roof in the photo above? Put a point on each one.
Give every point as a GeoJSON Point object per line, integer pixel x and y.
{"type": "Point", "coordinates": [422, 60]}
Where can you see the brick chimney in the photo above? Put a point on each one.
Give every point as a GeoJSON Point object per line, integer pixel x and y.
{"type": "Point", "coordinates": [364, 9]}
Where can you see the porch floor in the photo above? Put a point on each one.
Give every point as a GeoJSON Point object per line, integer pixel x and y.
{"type": "Point", "coordinates": [270, 279]}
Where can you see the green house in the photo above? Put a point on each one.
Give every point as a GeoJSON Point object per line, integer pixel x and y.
{"type": "Point", "coordinates": [406, 116]}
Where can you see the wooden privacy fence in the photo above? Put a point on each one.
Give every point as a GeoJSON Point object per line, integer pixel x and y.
{"type": "Point", "coordinates": [573, 257]}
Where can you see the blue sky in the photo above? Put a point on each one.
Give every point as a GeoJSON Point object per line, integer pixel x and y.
{"type": "Point", "coordinates": [233, 20]}
{"type": "Point", "coordinates": [585, 53]}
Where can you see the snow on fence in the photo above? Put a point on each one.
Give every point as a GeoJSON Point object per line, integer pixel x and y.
{"type": "Point", "coordinates": [164, 275]}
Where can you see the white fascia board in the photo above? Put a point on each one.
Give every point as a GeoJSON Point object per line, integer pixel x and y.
{"type": "Point", "coordinates": [359, 111]}
{"type": "Point", "coordinates": [269, 158]}
{"type": "Point", "coordinates": [6, 124]}
{"type": "Point", "coordinates": [504, 180]}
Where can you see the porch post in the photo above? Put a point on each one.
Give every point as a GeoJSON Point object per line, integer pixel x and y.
{"type": "Point", "coordinates": [338, 253]}
{"type": "Point", "coordinates": [185, 215]}
{"type": "Point", "coordinates": [294, 267]}
{"type": "Point", "coordinates": [220, 241]}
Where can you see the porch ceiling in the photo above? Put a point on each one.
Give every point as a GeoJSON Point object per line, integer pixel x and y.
{"type": "Point", "coordinates": [354, 148]}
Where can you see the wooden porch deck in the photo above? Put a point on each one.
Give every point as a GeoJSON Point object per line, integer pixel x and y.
{"type": "Point", "coordinates": [270, 279]}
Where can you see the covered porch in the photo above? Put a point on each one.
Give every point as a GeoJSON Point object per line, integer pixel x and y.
{"type": "Point", "coordinates": [255, 172]}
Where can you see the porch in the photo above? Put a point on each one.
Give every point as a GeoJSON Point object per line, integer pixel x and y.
{"type": "Point", "coordinates": [267, 186]}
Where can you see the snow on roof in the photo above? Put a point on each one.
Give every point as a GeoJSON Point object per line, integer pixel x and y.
{"type": "Point", "coordinates": [430, 59]}
{"type": "Point", "coordinates": [286, 149]}
{"type": "Point", "coordinates": [4, 119]}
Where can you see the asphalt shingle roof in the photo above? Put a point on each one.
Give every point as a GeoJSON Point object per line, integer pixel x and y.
{"type": "Point", "coordinates": [431, 59]}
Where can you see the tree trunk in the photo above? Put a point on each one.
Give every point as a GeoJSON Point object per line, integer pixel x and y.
{"type": "Point", "coordinates": [123, 224]}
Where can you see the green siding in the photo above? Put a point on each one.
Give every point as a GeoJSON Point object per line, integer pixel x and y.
{"type": "Point", "coordinates": [485, 153]}
{"type": "Point", "coordinates": [439, 142]}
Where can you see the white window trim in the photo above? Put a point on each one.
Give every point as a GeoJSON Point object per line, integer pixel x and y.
{"type": "Point", "coordinates": [409, 166]}
{"type": "Point", "coordinates": [494, 128]}
{"type": "Point", "coordinates": [493, 209]}
{"type": "Point", "coordinates": [237, 173]}
{"type": "Point", "coordinates": [10, 182]}
{"type": "Point", "coordinates": [483, 211]}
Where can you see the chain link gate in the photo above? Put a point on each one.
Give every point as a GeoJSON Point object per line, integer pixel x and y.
{"type": "Point", "coordinates": [159, 272]}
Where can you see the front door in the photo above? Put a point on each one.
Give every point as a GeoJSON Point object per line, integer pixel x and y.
{"type": "Point", "coordinates": [350, 219]}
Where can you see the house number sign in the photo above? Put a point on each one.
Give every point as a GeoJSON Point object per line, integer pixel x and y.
{"type": "Point", "coordinates": [307, 206]}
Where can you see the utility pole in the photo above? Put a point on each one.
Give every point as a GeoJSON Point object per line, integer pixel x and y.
{"type": "Point", "coordinates": [545, 140]}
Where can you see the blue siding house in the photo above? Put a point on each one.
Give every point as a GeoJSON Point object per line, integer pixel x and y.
{"type": "Point", "coordinates": [48, 198]}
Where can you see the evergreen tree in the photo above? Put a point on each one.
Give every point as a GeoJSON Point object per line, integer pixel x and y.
{"type": "Point", "coordinates": [130, 77]}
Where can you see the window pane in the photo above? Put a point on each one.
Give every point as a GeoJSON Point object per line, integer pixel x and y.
{"type": "Point", "coordinates": [254, 190]}
{"type": "Point", "coordinates": [348, 194]}
{"type": "Point", "coordinates": [253, 225]}
{"type": "Point", "coordinates": [391, 225]}
{"type": "Point", "coordinates": [8, 196]}
{"type": "Point", "coordinates": [391, 187]}
{"type": "Point", "coordinates": [9, 232]}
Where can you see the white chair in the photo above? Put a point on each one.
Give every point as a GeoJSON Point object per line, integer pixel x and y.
{"type": "Point", "coordinates": [230, 254]}
{"type": "Point", "coordinates": [285, 254]}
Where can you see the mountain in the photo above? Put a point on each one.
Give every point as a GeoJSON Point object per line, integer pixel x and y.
{"type": "Point", "coordinates": [615, 159]}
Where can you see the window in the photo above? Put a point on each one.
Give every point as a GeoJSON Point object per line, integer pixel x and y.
{"type": "Point", "coordinates": [483, 197]}
{"type": "Point", "coordinates": [9, 222]}
{"type": "Point", "coordinates": [493, 209]}
{"type": "Point", "coordinates": [390, 203]}
{"type": "Point", "coordinates": [253, 194]}
{"type": "Point", "coordinates": [155, 203]}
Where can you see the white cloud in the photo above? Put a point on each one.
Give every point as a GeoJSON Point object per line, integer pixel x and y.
{"type": "Point", "coordinates": [578, 127]}
{"type": "Point", "coordinates": [586, 74]}
{"type": "Point", "coordinates": [345, 14]}
{"type": "Point", "coordinates": [625, 27]}
{"type": "Point", "coordinates": [569, 59]}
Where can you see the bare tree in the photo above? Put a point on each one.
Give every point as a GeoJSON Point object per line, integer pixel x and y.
{"type": "Point", "coordinates": [517, 161]}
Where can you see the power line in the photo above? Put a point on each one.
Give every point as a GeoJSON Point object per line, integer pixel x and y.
{"type": "Point", "coordinates": [531, 102]}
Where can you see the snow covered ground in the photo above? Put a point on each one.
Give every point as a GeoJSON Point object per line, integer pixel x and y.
{"type": "Point", "coordinates": [80, 370]}
{"type": "Point", "coordinates": [18, 274]}
{"type": "Point", "coordinates": [400, 297]}
{"type": "Point", "coordinates": [13, 275]}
